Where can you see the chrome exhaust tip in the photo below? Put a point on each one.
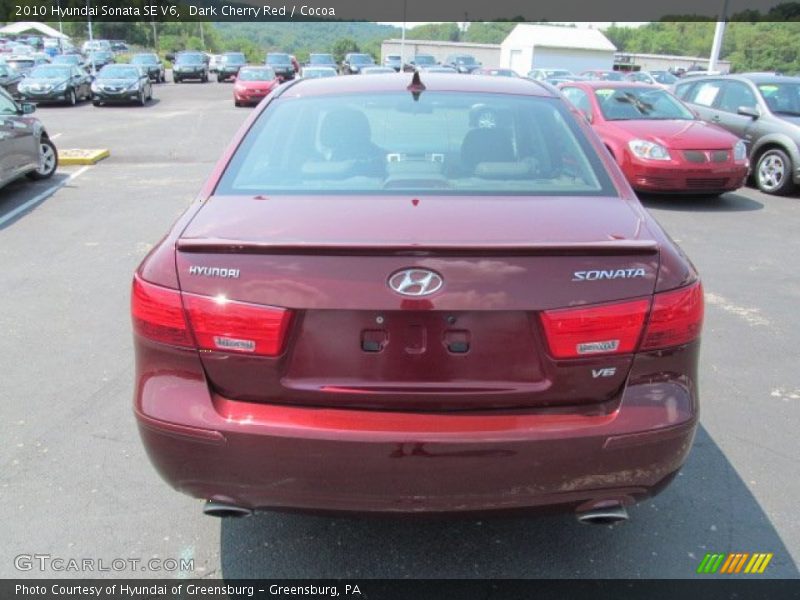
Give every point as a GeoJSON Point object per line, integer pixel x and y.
{"type": "Point", "coordinates": [225, 511]}
{"type": "Point", "coordinates": [608, 515]}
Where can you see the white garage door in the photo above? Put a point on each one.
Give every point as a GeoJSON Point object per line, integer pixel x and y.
{"type": "Point", "coordinates": [572, 60]}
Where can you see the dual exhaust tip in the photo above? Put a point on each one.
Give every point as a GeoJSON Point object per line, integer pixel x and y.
{"type": "Point", "coordinates": [605, 515]}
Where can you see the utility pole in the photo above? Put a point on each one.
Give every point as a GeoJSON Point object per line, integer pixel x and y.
{"type": "Point", "coordinates": [91, 37]}
{"type": "Point", "coordinates": [202, 36]}
{"type": "Point", "coordinates": [719, 33]}
{"type": "Point", "coordinates": [403, 40]}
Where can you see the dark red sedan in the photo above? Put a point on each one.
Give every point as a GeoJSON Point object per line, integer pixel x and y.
{"type": "Point", "coordinates": [661, 146]}
{"type": "Point", "coordinates": [380, 305]}
{"type": "Point", "coordinates": [252, 84]}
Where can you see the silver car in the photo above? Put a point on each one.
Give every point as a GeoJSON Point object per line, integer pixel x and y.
{"type": "Point", "coordinates": [25, 148]}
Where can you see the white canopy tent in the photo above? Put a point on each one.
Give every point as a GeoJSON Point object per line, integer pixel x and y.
{"type": "Point", "coordinates": [25, 26]}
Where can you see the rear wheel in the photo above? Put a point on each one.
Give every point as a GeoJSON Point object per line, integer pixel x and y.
{"type": "Point", "coordinates": [72, 99]}
{"type": "Point", "coordinates": [773, 172]}
{"type": "Point", "coordinates": [176, 79]}
{"type": "Point", "coordinates": [48, 160]}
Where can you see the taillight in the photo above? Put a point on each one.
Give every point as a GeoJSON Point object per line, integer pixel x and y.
{"type": "Point", "coordinates": [232, 326]}
{"type": "Point", "coordinates": [589, 330]}
{"type": "Point", "coordinates": [158, 314]}
{"type": "Point", "coordinates": [676, 318]}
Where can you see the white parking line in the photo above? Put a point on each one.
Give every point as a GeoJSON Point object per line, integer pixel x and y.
{"type": "Point", "coordinates": [55, 136]}
{"type": "Point", "coordinates": [38, 198]}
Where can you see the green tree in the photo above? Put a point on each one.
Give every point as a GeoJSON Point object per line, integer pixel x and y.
{"type": "Point", "coordinates": [344, 46]}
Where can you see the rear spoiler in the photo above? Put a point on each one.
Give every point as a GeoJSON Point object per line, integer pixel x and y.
{"type": "Point", "coordinates": [605, 247]}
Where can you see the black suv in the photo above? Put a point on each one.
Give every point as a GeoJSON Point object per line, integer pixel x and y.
{"type": "Point", "coordinates": [281, 63]}
{"type": "Point", "coordinates": [762, 109]}
{"type": "Point", "coordinates": [354, 62]}
{"type": "Point", "coordinates": [229, 65]}
{"type": "Point", "coordinates": [190, 65]}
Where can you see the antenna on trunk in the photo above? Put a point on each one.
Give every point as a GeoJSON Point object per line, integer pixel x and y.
{"type": "Point", "coordinates": [416, 87]}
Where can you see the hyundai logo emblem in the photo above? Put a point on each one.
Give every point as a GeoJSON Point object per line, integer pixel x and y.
{"type": "Point", "coordinates": [415, 282]}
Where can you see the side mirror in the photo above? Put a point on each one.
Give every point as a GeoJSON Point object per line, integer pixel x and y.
{"type": "Point", "coordinates": [749, 111]}
{"type": "Point", "coordinates": [27, 108]}
{"type": "Point", "coordinates": [588, 116]}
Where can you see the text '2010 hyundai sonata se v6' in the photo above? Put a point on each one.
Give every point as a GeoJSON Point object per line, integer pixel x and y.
{"type": "Point", "coordinates": [405, 296]}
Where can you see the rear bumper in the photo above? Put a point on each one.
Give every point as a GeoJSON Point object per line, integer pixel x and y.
{"type": "Point", "coordinates": [263, 456]}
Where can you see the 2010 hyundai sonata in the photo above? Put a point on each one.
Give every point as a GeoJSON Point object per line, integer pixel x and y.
{"type": "Point", "coordinates": [379, 303]}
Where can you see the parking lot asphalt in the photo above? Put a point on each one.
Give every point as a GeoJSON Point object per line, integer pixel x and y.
{"type": "Point", "coordinates": [75, 482]}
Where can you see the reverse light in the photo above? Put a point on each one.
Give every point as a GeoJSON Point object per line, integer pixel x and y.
{"type": "Point", "coordinates": [648, 150]}
{"type": "Point", "coordinates": [232, 326]}
{"type": "Point", "coordinates": [675, 318]}
{"type": "Point", "coordinates": [589, 330]}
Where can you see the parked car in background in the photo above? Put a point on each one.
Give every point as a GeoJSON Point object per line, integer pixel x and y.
{"type": "Point", "coordinates": [151, 63]}
{"type": "Point", "coordinates": [190, 65]}
{"type": "Point", "coordinates": [377, 70]}
{"type": "Point", "coordinates": [463, 63]}
{"type": "Point", "coordinates": [213, 63]}
{"type": "Point", "coordinates": [66, 84]}
{"type": "Point", "coordinates": [394, 62]}
{"type": "Point", "coordinates": [321, 60]}
{"type": "Point", "coordinates": [544, 74]}
{"type": "Point", "coordinates": [764, 110]}
{"type": "Point", "coordinates": [253, 84]}
{"type": "Point", "coordinates": [354, 62]}
{"type": "Point", "coordinates": [24, 64]}
{"type": "Point", "coordinates": [660, 145]}
{"type": "Point", "coordinates": [496, 72]}
{"type": "Point", "coordinates": [420, 62]}
{"type": "Point", "coordinates": [604, 75]}
{"type": "Point", "coordinates": [122, 83]}
{"type": "Point", "coordinates": [20, 49]}
{"type": "Point", "coordinates": [281, 63]}
{"type": "Point", "coordinates": [93, 45]}
{"type": "Point", "coordinates": [118, 45]}
{"type": "Point", "coordinates": [663, 79]}
{"type": "Point", "coordinates": [441, 69]}
{"type": "Point", "coordinates": [308, 338]}
{"type": "Point", "coordinates": [25, 147]}
{"type": "Point", "coordinates": [565, 79]}
{"type": "Point", "coordinates": [97, 59]}
{"type": "Point", "coordinates": [73, 60]}
{"type": "Point", "coordinates": [9, 80]}
{"type": "Point", "coordinates": [317, 72]}
{"type": "Point", "coordinates": [229, 65]}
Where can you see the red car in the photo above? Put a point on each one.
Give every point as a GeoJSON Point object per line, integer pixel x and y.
{"type": "Point", "coordinates": [253, 84]}
{"type": "Point", "coordinates": [660, 144]}
{"type": "Point", "coordinates": [376, 305]}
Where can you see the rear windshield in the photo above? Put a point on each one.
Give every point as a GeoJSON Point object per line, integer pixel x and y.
{"type": "Point", "coordinates": [66, 59]}
{"type": "Point", "coordinates": [233, 59]}
{"type": "Point", "coordinates": [250, 74]}
{"type": "Point", "coordinates": [442, 143]}
{"type": "Point", "coordinates": [278, 59]}
{"type": "Point", "coordinates": [321, 59]}
{"type": "Point", "coordinates": [50, 72]}
{"type": "Point", "coordinates": [361, 59]}
{"type": "Point", "coordinates": [118, 72]}
{"type": "Point", "coordinates": [144, 59]}
{"type": "Point", "coordinates": [634, 103]}
{"type": "Point", "coordinates": [190, 59]}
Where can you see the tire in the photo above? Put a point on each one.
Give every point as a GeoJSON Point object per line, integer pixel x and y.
{"type": "Point", "coordinates": [773, 172]}
{"type": "Point", "coordinates": [96, 103]}
{"type": "Point", "coordinates": [72, 99]}
{"type": "Point", "coordinates": [176, 79]}
{"type": "Point", "coordinates": [142, 98]}
{"type": "Point", "coordinates": [48, 160]}
{"type": "Point", "coordinates": [204, 79]}
{"type": "Point", "coordinates": [237, 103]}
